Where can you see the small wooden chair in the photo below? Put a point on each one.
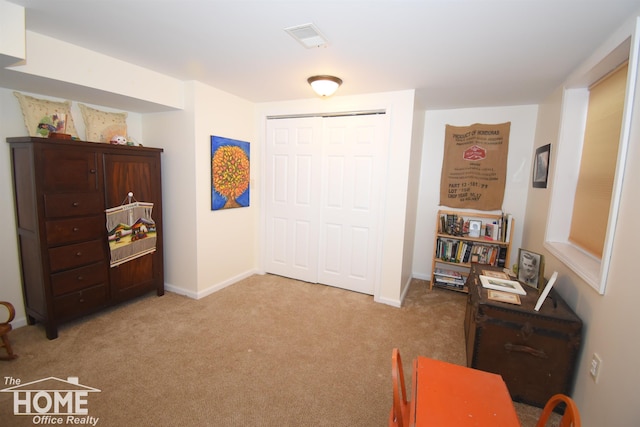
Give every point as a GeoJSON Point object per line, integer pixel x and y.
{"type": "Point", "coordinates": [399, 416]}
{"type": "Point", "coordinates": [571, 417]}
{"type": "Point", "coordinates": [5, 328]}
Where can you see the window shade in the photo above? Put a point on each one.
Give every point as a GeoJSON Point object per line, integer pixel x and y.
{"type": "Point", "coordinates": [598, 165]}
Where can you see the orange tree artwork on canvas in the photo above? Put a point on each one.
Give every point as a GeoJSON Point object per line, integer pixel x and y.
{"type": "Point", "coordinates": [230, 173]}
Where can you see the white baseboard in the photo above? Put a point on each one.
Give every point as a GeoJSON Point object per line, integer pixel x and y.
{"type": "Point", "coordinates": [19, 322]}
{"type": "Point", "coordinates": [391, 302]}
{"type": "Point", "coordinates": [422, 277]}
{"type": "Point", "coordinates": [394, 302]}
{"type": "Point", "coordinates": [208, 291]}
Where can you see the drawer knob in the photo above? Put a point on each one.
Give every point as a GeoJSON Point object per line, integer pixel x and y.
{"type": "Point", "coordinates": [78, 253]}
{"type": "Point", "coordinates": [80, 278]}
{"type": "Point", "coordinates": [75, 204]}
{"type": "Point", "coordinates": [76, 229]}
{"type": "Point", "coordinates": [92, 170]}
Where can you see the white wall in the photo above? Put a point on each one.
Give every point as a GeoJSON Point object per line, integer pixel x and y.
{"type": "Point", "coordinates": [227, 239]}
{"type": "Point", "coordinates": [610, 321]}
{"type": "Point", "coordinates": [412, 218]}
{"type": "Point", "coordinates": [399, 108]}
{"type": "Point", "coordinates": [205, 250]}
{"type": "Point", "coordinates": [174, 133]}
{"type": "Point", "coordinates": [523, 122]}
{"type": "Point", "coordinates": [93, 73]}
{"type": "Point", "coordinates": [11, 124]}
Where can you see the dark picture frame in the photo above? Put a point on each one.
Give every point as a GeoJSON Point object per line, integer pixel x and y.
{"type": "Point", "coordinates": [541, 166]}
{"type": "Point", "coordinates": [531, 269]}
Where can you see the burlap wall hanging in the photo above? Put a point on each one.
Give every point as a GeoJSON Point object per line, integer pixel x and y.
{"type": "Point", "coordinates": [474, 166]}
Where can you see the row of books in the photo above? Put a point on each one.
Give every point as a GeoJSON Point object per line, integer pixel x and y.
{"type": "Point", "coordinates": [448, 278]}
{"type": "Point", "coordinates": [498, 229]}
{"type": "Point", "coordinates": [461, 251]}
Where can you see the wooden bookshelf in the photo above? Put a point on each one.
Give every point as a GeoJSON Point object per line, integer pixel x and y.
{"type": "Point", "coordinates": [456, 246]}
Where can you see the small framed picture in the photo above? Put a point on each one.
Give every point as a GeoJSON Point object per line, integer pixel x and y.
{"type": "Point", "coordinates": [531, 268]}
{"type": "Point", "coordinates": [504, 297]}
{"type": "Point", "coordinates": [495, 274]}
{"type": "Point", "coordinates": [541, 166]}
{"type": "Point", "coordinates": [502, 285]}
{"type": "Point", "coordinates": [474, 228]}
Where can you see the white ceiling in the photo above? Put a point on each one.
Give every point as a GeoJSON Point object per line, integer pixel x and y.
{"type": "Point", "coordinates": [455, 53]}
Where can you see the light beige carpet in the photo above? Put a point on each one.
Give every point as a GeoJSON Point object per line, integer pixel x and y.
{"type": "Point", "coordinates": [266, 351]}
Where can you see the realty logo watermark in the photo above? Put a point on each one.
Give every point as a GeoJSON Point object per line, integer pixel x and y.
{"type": "Point", "coordinates": [52, 400]}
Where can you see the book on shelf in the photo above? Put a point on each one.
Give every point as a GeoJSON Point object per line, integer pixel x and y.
{"type": "Point", "coordinates": [456, 285]}
{"type": "Point", "coordinates": [492, 231]}
{"type": "Point", "coordinates": [444, 272]}
{"type": "Point", "coordinates": [509, 221]}
{"type": "Point", "coordinates": [502, 256]}
{"type": "Point", "coordinates": [449, 280]}
{"type": "Point", "coordinates": [467, 253]}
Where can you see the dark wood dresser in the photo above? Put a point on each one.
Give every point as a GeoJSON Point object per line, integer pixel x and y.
{"type": "Point", "coordinates": [535, 352]}
{"type": "Point", "coordinates": [62, 189]}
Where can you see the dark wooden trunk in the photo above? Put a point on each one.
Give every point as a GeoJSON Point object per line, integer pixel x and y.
{"type": "Point", "coordinates": [535, 352]}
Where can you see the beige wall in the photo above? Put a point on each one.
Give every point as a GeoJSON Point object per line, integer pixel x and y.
{"type": "Point", "coordinates": [610, 321]}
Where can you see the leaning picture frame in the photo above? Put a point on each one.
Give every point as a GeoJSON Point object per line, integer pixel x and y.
{"type": "Point", "coordinates": [474, 228]}
{"type": "Point", "coordinates": [541, 166]}
{"type": "Point", "coordinates": [531, 268]}
{"type": "Point", "coordinates": [502, 285]}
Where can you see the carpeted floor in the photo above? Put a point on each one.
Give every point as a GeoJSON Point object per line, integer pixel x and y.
{"type": "Point", "coordinates": [266, 351]}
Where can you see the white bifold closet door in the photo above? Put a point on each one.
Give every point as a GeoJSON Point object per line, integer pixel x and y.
{"type": "Point", "coordinates": [325, 180]}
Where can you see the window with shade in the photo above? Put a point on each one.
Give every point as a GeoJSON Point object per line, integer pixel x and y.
{"type": "Point", "coordinates": [596, 117]}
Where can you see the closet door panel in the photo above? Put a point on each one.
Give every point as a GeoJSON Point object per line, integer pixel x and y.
{"type": "Point", "coordinates": [292, 180]}
{"type": "Point", "coordinates": [351, 198]}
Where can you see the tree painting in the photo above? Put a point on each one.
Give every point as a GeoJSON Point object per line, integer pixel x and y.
{"type": "Point", "coordinates": [230, 173]}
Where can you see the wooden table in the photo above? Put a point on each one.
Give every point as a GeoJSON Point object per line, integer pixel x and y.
{"type": "Point", "coordinates": [446, 395]}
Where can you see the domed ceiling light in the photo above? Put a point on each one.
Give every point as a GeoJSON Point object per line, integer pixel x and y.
{"type": "Point", "coordinates": [324, 86]}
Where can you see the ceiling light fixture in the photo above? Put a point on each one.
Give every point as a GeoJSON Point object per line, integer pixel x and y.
{"type": "Point", "coordinates": [324, 86]}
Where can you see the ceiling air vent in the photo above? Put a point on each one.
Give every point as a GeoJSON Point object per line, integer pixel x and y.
{"type": "Point", "coordinates": [307, 35]}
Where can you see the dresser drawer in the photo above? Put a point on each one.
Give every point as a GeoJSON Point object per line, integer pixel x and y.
{"type": "Point", "coordinates": [81, 302]}
{"type": "Point", "coordinates": [75, 230]}
{"type": "Point", "coordinates": [69, 170]}
{"type": "Point", "coordinates": [78, 278]}
{"type": "Point", "coordinates": [71, 256]}
{"type": "Point", "coordinates": [64, 205]}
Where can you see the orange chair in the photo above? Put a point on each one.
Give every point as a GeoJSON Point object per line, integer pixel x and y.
{"type": "Point", "coordinates": [399, 416]}
{"type": "Point", "coordinates": [5, 328]}
{"type": "Point", "coordinates": [571, 417]}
